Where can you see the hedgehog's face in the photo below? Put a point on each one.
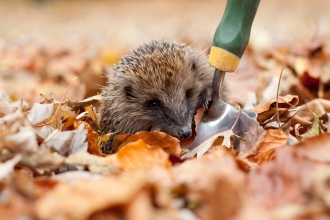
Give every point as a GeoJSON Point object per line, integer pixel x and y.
{"type": "Point", "coordinates": [162, 110]}
{"type": "Point", "coordinates": [167, 91]}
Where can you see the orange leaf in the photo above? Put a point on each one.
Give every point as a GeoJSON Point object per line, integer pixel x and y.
{"type": "Point", "coordinates": [139, 153]}
{"type": "Point", "coordinates": [264, 149]}
{"type": "Point", "coordinates": [170, 144]}
{"type": "Point", "coordinates": [81, 198]}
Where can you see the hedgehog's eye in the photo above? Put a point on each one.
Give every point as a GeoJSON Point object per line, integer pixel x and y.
{"type": "Point", "coordinates": [154, 103]}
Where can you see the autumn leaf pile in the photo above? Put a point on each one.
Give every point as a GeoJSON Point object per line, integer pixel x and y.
{"type": "Point", "coordinates": [52, 165]}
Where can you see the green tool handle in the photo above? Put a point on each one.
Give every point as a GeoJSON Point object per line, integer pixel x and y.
{"type": "Point", "coordinates": [233, 32]}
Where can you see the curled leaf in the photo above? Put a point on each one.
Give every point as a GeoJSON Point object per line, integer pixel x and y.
{"type": "Point", "coordinates": [268, 110]}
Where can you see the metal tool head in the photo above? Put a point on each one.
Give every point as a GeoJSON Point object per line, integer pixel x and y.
{"type": "Point", "coordinates": [221, 116]}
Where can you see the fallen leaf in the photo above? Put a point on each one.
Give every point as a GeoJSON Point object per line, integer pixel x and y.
{"type": "Point", "coordinates": [18, 133]}
{"type": "Point", "coordinates": [281, 181]}
{"type": "Point", "coordinates": [15, 206]}
{"type": "Point", "coordinates": [141, 206]}
{"type": "Point", "coordinates": [45, 131]}
{"type": "Point", "coordinates": [315, 148]}
{"type": "Point", "coordinates": [95, 164]}
{"type": "Point", "coordinates": [226, 139]}
{"type": "Point", "coordinates": [139, 153]}
{"type": "Point", "coordinates": [47, 100]}
{"type": "Point", "coordinates": [169, 144]}
{"type": "Point", "coordinates": [70, 177]}
{"type": "Point", "coordinates": [264, 149]}
{"type": "Point", "coordinates": [313, 131]}
{"type": "Point", "coordinates": [251, 137]}
{"type": "Point", "coordinates": [268, 110]}
{"type": "Point", "coordinates": [79, 140]}
{"type": "Point", "coordinates": [320, 184]}
{"type": "Point", "coordinates": [43, 160]}
{"type": "Point", "coordinates": [40, 113]}
{"type": "Point", "coordinates": [215, 187]}
{"type": "Point", "coordinates": [7, 167]}
{"type": "Point", "coordinates": [105, 193]}
{"type": "Point", "coordinates": [317, 106]}
{"type": "Point", "coordinates": [92, 139]}
{"type": "Point", "coordinates": [94, 100]}
{"type": "Point", "coordinates": [60, 141]}
{"type": "Point", "coordinates": [24, 140]}
{"type": "Point", "coordinates": [5, 108]}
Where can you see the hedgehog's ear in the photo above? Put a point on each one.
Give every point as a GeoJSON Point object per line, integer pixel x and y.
{"type": "Point", "coordinates": [129, 91]}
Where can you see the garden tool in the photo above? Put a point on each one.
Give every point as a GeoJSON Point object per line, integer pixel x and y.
{"type": "Point", "coordinates": [229, 43]}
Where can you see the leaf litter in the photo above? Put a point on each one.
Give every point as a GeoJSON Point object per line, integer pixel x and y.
{"type": "Point", "coordinates": [52, 165]}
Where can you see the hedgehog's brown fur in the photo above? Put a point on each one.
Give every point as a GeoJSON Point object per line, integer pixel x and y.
{"type": "Point", "coordinates": [159, 87]}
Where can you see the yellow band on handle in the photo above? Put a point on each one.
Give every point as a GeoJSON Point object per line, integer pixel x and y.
{"type": "Point", "coordinates": [223, 59]}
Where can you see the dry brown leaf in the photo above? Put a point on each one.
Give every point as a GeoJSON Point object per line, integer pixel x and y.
{"type": "Point", "coordinates": [79, 140]}
{"type": "Point", "coordinates": [141, 206]}
{"type": "Point", "coordinates": [320, 185]}
{"type": "Point", "coordinates": [62, 116]}
{"type": "Point", "coordinates": [18, 133]}
{"type": "Point", "coordinates": [69, 177]}
{"type": "Point", "coordinates": [95, 164]}
{"type": "Point", "coordinates": [264, 149]}
{"type": "Point", "coordinates": [225, 137]}
{"type": "Point", "coordinates": [215, 187]}
{"type": "Point", "coordinates": [315, 148]}
{"type": "Point", "coordinates": [251, 137]}
{"type": "Point", "coordinates": [45, 131]}
{"type": "Point", "coordinates": [5, 107]}
{"type": "Point", "coordinates": [94, 100]}
{"type": "Point", "coordinates": [60, 141]}
{"type": "Point", "coordinates": [282, 181]}
{"type": "Point", "coordinates": [92, 139]}
{"type": "Point", "coordinates": [318, 106]}
{"type": "Point", "coordinates": [169, 144]}
{"type": "Point", "coordinates": [43, 184]}
{"type": "Point", "coordinates": [40, 113]}
{"type": "Point", "coordinates": [102, 194]}
{"type": "Point", "coordinates": [7, 167]}
{"type": "Point", "coordinates": [314, 130]}
{"type": "Point", "coordinates": [15, 206]}
{"type": "Point", "coordinates": [139, 153]}
{"type": "Point", "coordinates": [24, 140]}
{"type": "Point", "coordinates": [47, 100]}
{"type": "Point", "coordinates": [43, 159]}
{"type": "Point", "coordinates": [267, 110]}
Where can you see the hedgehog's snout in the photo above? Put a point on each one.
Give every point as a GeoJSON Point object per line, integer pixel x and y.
{"type": "Point", "coordinates": [185, 132]}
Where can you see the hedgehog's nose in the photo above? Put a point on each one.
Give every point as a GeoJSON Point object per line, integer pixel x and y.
{"type": "Point", "coordinates": [185, 132]}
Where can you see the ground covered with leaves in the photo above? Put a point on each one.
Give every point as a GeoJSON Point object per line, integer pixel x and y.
{"type": "Point", "coordinates": [52, 165]}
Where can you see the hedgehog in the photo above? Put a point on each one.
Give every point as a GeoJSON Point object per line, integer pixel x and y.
{"type": "Point", "coordinates": [157, 87]}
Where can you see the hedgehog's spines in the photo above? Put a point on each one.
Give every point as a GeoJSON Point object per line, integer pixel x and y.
{"type": "Point", "coordinates": [176, 75]}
